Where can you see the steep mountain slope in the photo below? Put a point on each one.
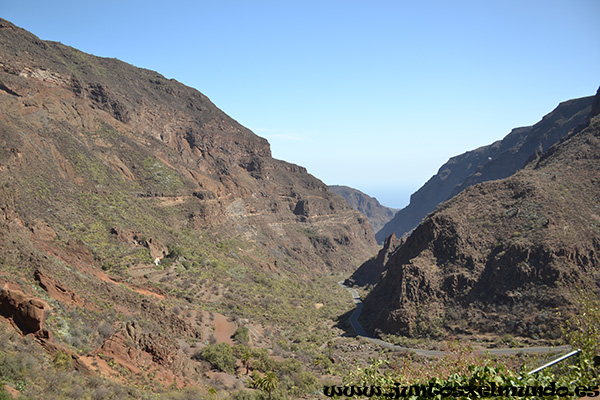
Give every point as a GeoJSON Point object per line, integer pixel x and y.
{"type": "Point", "coordinates": [73, 124]}
{"type": "Point", "coordinates": [502, 256]}
{"type": "Point", "coordinates": [130, 204]}
{"type": "Point", "coordinates": [371, 270]}
{"type": "Point", "coordinates": [498, 160]}
{"type": "Point", "coordinates": [368, 206]}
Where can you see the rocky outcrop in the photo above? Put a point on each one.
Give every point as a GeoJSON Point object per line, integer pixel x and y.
{"type": "Point", "coordinates": [377, 214]}
{"type": "Point", "coordinates": [502, 256]}
{"type": "Point", "coordinates": [133, 347]}
{"type": "Point", "coordinates": [26, 312]}
{"type": "Point", "coordinates": [57, 290]}
{"type": "Point", "coordinates": [495, 161]}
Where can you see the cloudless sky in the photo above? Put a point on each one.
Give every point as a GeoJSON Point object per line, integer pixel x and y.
{"type": "Point", "coordinates": [376, 95]}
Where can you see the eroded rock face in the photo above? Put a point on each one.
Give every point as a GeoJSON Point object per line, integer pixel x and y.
{"type": "Point", "coordinates": [28, 313]}
{"type": "Point", "coordinates": [138, 350]}
{"type": "Point", "coordinates": [57, 290]}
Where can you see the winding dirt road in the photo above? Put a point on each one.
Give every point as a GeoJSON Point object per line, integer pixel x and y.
{"type": "Point", "coordinates": [434, 353]}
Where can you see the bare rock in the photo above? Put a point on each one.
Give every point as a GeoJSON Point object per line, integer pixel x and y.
{"type": "Point", "coordinates": [134, 348]}
{"type": "Point", "coordinates": [42, 230]}
{"type": "Point", "coordinates": [57, 290]}
{"type": "Point", "coordinates": [27, 313]}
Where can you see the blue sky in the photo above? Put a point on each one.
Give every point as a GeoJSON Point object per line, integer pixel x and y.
{"type": "Point", "coordinates": [375, 95]}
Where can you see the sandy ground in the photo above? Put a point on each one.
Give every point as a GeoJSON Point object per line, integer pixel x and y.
{"type": "Point", "coordinates": [223, 329]}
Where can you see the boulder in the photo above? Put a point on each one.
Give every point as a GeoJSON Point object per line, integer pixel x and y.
{"type": "Point", "coordinates": [27, 313]}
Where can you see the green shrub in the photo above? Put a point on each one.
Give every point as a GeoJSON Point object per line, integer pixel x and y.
{"type": "Point", "coordinates": [220, 355]}
{"type": "Point", "coordinates": [62, 360]}
{"type": "Point", "coordinates": [243, 394]}
{"type": "Point", "coordinates": [582, 331]}
{"type": "Point", "coordinates": [175, 251]}
{"type": "Point", "coordinates": [3, 393]}
{"type": "Point", "coordinates": [261, 360]}
{"type": "Point", "coordinates": [242, 335]}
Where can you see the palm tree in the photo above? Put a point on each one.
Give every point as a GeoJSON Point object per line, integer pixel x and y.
{"type": "Point", "coordinates": [268, 382]}
{"type": "Point", "coordinates": [245, 357]}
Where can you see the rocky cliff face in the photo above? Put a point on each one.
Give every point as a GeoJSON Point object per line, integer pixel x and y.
{"type": "Point", "coordinates": [125, 196]}
{"type": "Point", "coordinates": [502, 256]}
{"type": "Point", "coordinates": [377, 214]}
{"type": "Point", "coordinates": [496, 161]}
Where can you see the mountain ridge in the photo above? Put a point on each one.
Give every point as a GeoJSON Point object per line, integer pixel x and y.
{"type": "Point", "coordinates": [495, 161]}
{"type": "Point", "coordinates": [377, 214]}
{"type": "Point", "coordinates": [502, 256]}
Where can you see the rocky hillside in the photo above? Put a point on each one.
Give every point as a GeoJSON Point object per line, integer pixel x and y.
{"type": "Point", "coordinates": [502, 256]}
{"type": "Point", "coordinates": [149, 221]}
{"type": "Point", "coordinates": [81, 133]}
{"type": "Point", "coordinates": [495, 161]}
{"type": "Point", "coordinates": [377, 214]}
{"type": "Point", "coordinates": [371, 270]}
